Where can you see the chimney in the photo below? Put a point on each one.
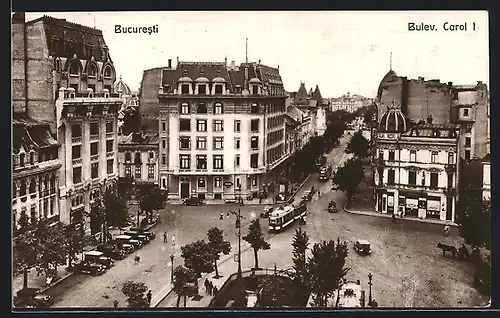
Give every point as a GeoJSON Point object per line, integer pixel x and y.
{"type": "Point", "coordinates": [429, 119]}
{"type": "Point", "coordinates": [169, 63]}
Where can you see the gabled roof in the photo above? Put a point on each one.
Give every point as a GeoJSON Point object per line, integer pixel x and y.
{"type": "Point", "coordinates": [301, 96]}
{"type": "Point", "coordinates": [317, 95]}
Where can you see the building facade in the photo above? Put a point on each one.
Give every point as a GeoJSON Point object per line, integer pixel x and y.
{"type": "Point", "coordinates": [222, 129]}
{"type": "Point", "coordinates": [486, 180]}
{"type": "Point", "coordinates": [35, 167]}
{"type": "Point", "coordinates": [349, 103]}
{"type": "Point", "coordinates": [416, 171]}
{"type": "Point", "coordinates": [138, 157]}
{"type": "Point", "coordinates": [63, 75]}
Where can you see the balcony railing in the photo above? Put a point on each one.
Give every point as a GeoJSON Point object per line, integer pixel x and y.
{"type": "Point", "coordinates": [77, 161]}
{"type": "Point", "coordinates": [94, 158]}
{"type": "Point", "coordinates": [76, 139]}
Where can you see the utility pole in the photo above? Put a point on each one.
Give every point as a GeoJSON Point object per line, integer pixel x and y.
{"type": "Point", "coordinates": [370, 276]}
{"type": "Point", "coordinates": [238, 225]}
{"type": "Point", "coordinates": [275, 286]}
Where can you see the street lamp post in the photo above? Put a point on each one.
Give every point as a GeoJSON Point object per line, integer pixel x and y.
{"type": "Point", "coordinates": [370, 276]}
{"type": "Point", "coordinates": [238, 225]}
{"type": "Point", "coordinates": [172, 269]}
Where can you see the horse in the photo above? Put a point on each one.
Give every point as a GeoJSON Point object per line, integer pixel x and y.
{"type": "Point", "coordinates": [447, 248]}
{"type": "Point", "coordinates": [463, 252]}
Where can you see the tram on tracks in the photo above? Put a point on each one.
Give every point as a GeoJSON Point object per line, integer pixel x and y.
{"type": "Point", "coordinates": [284, 216]}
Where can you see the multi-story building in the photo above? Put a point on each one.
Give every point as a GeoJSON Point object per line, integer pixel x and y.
{"type": "Point", "coordinates": [128, 117]}
{"type": "Point", "coordinates": [349, 103]}
{"type": "Point", "coordinates": [222, 129]}
{"type": "Point", "coordinates": [35, 172]}
{"type": "Point", "coordinates": [416, 171]}
{"type": "Point", "coordinates": [63, 75]}
{"type": "Point", "coordinates": [138, 157]}
{"type": "Point", "coordinates": [313, 104]}
{"type": "Point", "coordinates": [304, 127]}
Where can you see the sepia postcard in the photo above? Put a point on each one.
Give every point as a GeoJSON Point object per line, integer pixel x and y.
{"type": "Point", "coordinates": [278, 159]}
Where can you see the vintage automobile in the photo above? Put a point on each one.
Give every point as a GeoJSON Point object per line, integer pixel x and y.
{"type": "Point", "coordinates": [127, 239]}
{"type": "Point", "coordinates": [32, 297]}
{"type": "Point", "coordinates": [332, 207]}
{"type": "Point", "coordinates": [112, 250]}
{"type": "Point", "coordinates": [362, 247]}
{"type": "Point", "coordinates": [192, 201]}
{"type": "Point", "coordinates": [267, 210]}
{"type": "Point", "coordinates": [138, 236]}
{"type": "Point", "coordinates": [98, 258]}
{"type": "Point", "coordinates": [307, 196]}
{"type": "Point", "coordinates": [149, 234]}
{"type": "Point", "coordinates": [88, 268]}
{"type": "Point", "coordinates": [127, 247]}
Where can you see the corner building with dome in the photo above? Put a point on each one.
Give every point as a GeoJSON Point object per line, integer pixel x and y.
{"type": "Point", "coordinates": [415, 169]}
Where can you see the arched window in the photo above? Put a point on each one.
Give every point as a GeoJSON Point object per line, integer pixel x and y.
{"type": "Point", "coordinates": [32, 158]}
{"type": "Point", "coordinates": [21, 159]}
{"type": "Point", "coordinates": [22, 190]}
{"type": "Point", "coordinates": [137, 159]}
{"type": "Point", "coordinates": [74, 69]}
{"type": "Point", "coordinates": [92, 70]}
{"type": "Point", "coordinates": [128, 156]}
{"type": "Point", "coordinates": [107, 72]}
{"type": "Point", "coordinates": [58, 65]}
{"type": "Point", "coordinates": [32, 185]}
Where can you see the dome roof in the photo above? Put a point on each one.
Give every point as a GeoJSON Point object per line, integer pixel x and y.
{"type": "Point", "coordinates": [219, 80]}
{"type": "Point", "coordinates": [121, 87]}
{"type": "Point", "coordinates": [389, 77]}
{"type": "Point", "coordinates": [254, 80]}
{"type": "Point", "coordinates": [202, 79]}
{"type": "Point", "coordinates": [393, 120]}
{"type": "Point", "coordinates": [185, 79]}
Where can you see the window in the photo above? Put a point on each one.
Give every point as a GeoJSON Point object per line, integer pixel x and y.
{"type": "Point", "coordinates": [381, 154]}
{"type": "Point", "coordinates": [185, 143]}
{"type": "Point", "coordinates": [92, 70]}
{"type": "Point", "coordinates": [74, 69]}
{"type": "Point", "coordinates": [76, 153]}
{"type": "Point", "coordinates": [94, 170]}
{"type": "Point", "coordinates": [21, 159]}
{"type": "Point", "coordinates": [218, 182]}
{"type": "Point", "coordinates": [77, 175]}
{"type": "Point", "coordinates": [218, 143]}
{"type": "Point", "coordinates": [94, 148]}
{"type": "Point", "coordinates": [413, 155]}
{"type": "Point", "coordinates": [184, 109]}
{"type": "Point", "coordinates": [163, 126]}
{"type": "Point", "coordinates": [468, 141]}
{"type": "Point", "coordinates": [109, 166]}
{"type": "Point", "coordinates": [151, 172]}
{"type": "Point", "coordinates": [412, 177]}
{"type": "Point", "coordinates": [391, 155]}
{"type": "Point", "coordinates": [202, 89]}
{"type": "Point", "coordinates": [218, 109]}
{"type": "Point", "coordinates": [201, 143]}
{"type": "Point", "coordinates": [450, 180]}
{"type": "Point", "coordinates": [92, 87]}
{"type": "Point", "coordinates": [75, 87]}
{"type": "Point", "coordinates": [255, 90]}
{"type": "Point", "coordinates": [109, 145]}
{"type": "Point", "coordinates": [185, 161]}
{"type": "Point", "coordinates": [451, 158]}
{"type": "Point", "coordinates": [218, 125]}
{"type": "Point", "coordinates": [107, 72]}
{"type": "Point", "coordinates": [237, 126]}
{"type": "Point", "coordinates": [254, 109]}
{"type": "Point", "coordinates": [128, 157]}
{"type": "Point", "coordinates": [32, 158]}
{"type": "Point", "coordinates": [201, 108]}
{"type": "Point", "coordinates": [201, 162]}
{"type": "Point", "coordinates": [201, 182]}
{"type": "Point", "coordinates": [466, 112]}
{"type": "Point", "coordinates": [254, 125]}
{"type": "Point", "coordinates": [218, 89]}
{"type": "Point", "coordinates": [184, 124]}
{"type": "Point", "coordinates": [94, 129]}
{"type": "Point", "coordinates": [434, 157]}
{"type": "Point", "coordinates": [237, 160]}
{"type": "Point", "coordinates": [185, 89]}
{"type": "Point", "coordinates": [201, 125]}
{"type": "Point", "coordinates": [434, 180]}
{"type": "Point", "coordinates": [163, 160]}
{"type": "Point", "coordinates": [391, 177]}
{"type": "Point", "coordinates": [109, 127]}
{"type": "Point", "coordinates": [254, 142]}
{"type": "Point", "coordinates": [467, 155]}
{"type": "Point", "coordinates": [468, 128]}
{"type": "Point", "coordinates": [254, 160]}
{"type": "Point", "coordinates": [163, 143]}
{"type": "Point", "coordinates": [138, 171]}
{"type": "Point", "coordinates": [237, 143]}
{"type": "Point", "coordinates": [151, 155]}
{"type": "Point", "coordinates": [108, 87]}
{"type": "Point", "coordinates": [163, 183]}
{"type": "Point", "coordinates": [128, 171]}
{"type": "Point", "coordinates": [76, 130]}
{"type": "Point", "coordinates": [218, 162]}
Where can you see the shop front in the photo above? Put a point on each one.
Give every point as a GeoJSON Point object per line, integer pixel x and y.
{"type": "Point", "coordinates": [433, 208]}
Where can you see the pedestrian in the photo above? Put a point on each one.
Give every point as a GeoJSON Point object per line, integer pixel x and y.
{"type": "Point", "coordinates": [446, 230]}
{"type": "Point", "coordinates": [260, 199]}
{"type": "Point", "coordinates": [228, 213]}
{"type": "Point", "coordinates": [173, 239]}
{"type": "Point", "coordinates": [115, 303]}
{"type": "Point", "coordinates": [394, 217]}
{"type": "Point", "coordinates": [206, 286]}
{"type": "Point", "coordinates": [137, 259]}
{"type": "Point", "coordinates": [210, 288]}
{"type": "Point", "coordinates": [214, 291]}
{"type": "Point", "coordinates": [165, 237]}
{"type": "Point", "coordinates": [319, 194]}
{"type": "Point", "coordinates": [221, 216]}
{"type": "Point", "coordinates": [148, 296]}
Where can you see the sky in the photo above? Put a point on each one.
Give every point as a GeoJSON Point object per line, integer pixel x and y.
{"type": "Point", "coordinates": [338, 51]}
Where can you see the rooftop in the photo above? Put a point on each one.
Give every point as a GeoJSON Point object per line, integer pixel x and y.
{"type": "Point", "coordinates": [148, 138]}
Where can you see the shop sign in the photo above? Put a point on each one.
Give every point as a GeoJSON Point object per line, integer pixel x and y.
{"type": "Point", "coordinates": [228, 184]}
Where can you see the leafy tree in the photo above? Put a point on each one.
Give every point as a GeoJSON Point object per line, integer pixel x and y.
{"type": "Point", "coordinates": [474, 218]}
{"type": "Point", "coordinates": [184, 283]}
{"type": "Point", "coordinates": [198, 257]}
{"type": "Point", "coordinates": [52, 249]}
{"type": "Point", "coordinates": [255, 238]}
{"type": "Point", "coordinates": [125, 187]}
{"type": "Point", "coordinates": [115, 210]}
{"type": "Point", "coordinates": [74, 243]}
{"type": "Point", "coordinates": [25, 252]}
{"type": "Point", "coordinates": [300, 275]}
{"type": "Point", "coordinates": [348, 177]}
{"type": "Point", "coordinates": [151, 199]}
{"type": "Point", "coordinates": [272, 291]}
{"type": "Point", "coordinates": [218, 245]}
{"type": "Point", "coordinates": [136, 294]}
{"type": "Point", "coordinates": [358, 145]}
{"type": "Point", "coordinates": [327, 269]}
{"type": "Point", "coordinates": [23, 223]}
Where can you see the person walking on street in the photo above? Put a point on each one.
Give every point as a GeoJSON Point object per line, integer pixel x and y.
{"type": "Point", "coordinates": [148, 296]}
{"type": "Point", "coordinates": [221, 216]}
{"type": "Point", "coordinates": [165, 237]}
{"type": "Point", "coordinates": [206, 286]}
{"type": "Point", "coordinates": [214, 291]}
{"type": "Point", "coordinates": [446, 230]}
{"type": "Point", "coordinates": [394, 217]}
{"type": "Point", "coordinates": [210, 287]}
{"type": "Point", "coordinates": [319, 194]}
{"type": "Point", "coordinates": [173, 239]}
{"type": "Point", "coordinates": [115, 303]}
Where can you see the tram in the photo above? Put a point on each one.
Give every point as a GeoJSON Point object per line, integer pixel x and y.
{"type": "Point", "coordinates": [282, 217]}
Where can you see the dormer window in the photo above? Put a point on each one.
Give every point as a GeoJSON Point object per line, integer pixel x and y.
{"type": "Point", "coordinates": [21, 160]}
{"type": "Point", "coordinates": [237, 89]}
{"type": "Point", "coordinates": [107, 72]}
{"type": "Point", "coordinates": [74, 69]}
{"type": "Point", "coordinates": [255, 90]}
{"type": "Point", "coordinates": [218, 109]}
{"type": "Point", "coordinates": [218, 89]}
{"type": "Point", "coordinates": [92, 71]}
{"type": "Point", "coordinates": [32, 158]}
{"type": "Point", "coordinates": [184, 109]}
{"type": "Point", "coordinates": [128, 157]}
{"type": "Point", "coordinates": [254, 109]}
{"type": "Point", "coordinates": [202, 108]}
{"type": "Point", "coordinates": [185, 89]}
{"type": "Point", "coordinates": [202, 89]}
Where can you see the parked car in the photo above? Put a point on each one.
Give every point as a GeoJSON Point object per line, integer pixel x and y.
{"type": "Point", "coordinates": [122, 245]}
{"type": "Point", "coordinates": [332, 207]}
{"type": "Point", "coordinates": [89, 268]}
{"type": "Point", "coordinates": [32, 297]}
{"type": "Point", "coordinates": [192, 201]}
{"type": "Point", "coordinates": [362, 247]}
{"type": "Point", "coordinates": [307, 196]}
{"type": "Point", "coordinates": [151, 235]}
{"type": "Point", "coordinates": [138, 236]}
{"type": "Point", "coordinates": [98, 258]}
{"type": "Point", "coordinates": [112, 250]}
{"type": "Point", "coordinates": [127, 239]}
{"type": "Point", "coordinates": [266, 212]}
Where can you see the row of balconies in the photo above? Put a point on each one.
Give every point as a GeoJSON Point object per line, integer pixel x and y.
{"type": "Point", "coordinates": [193, 170]}
{"type": "Point", "coordinates": [401, 186]}
{"type": "Point", "coordinates": [70, 93]}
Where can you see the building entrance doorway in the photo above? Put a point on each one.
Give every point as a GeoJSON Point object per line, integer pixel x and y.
{"type": "Point", "coordinates": [449, 208]}
{"type": "Point", "coordinates": [185, 190]}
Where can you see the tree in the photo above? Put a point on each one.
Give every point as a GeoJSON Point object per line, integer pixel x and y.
{"type": "Point", "coordinates": [358, 145]}
{"type": "Point", "coordinates": [272, 291]}
{"type": "Point", "coordinates": [52, 249]}
{"type": "Point", "coordinates": [136, 294]}
{"type": "Point", "coordinates": [348, 177]}
{"type": "Point", "coordinates": [184, 283]}
{"type": "Point", "coordinates": [327, 269]}
{"type": "Point", "coordinates": [255, 238]}
{"type": "Point", "coordinates": [300, 275]}
{"type": "Point", "coordinates": [474, 218]}
{"type": "Point", "coordinates": [23, 223]}
{"type": "Point", "coordinates": [115, 210]}
{"type": "Point", "coordinates": [218, 245]}
{"type": "Point", "coordinates": [198, 257]}
{"type": "Point", "coordinates": [74, 243]}
{"type": "Point", "coordinates": [151, 199]}
{"type": "Point", "coordinates": [25, 252]}
{"type": "Point", "coordinates": [125, 187]}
